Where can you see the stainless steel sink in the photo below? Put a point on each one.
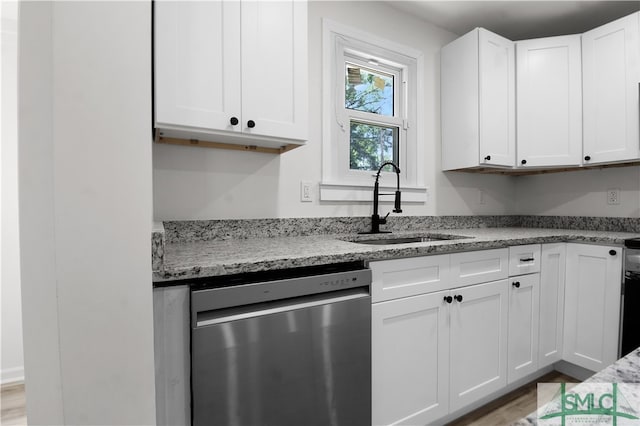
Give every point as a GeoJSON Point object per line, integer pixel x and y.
{"type": "Point", "coordinates": [404, 240]}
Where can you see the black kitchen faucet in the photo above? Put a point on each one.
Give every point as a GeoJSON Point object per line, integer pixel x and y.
{"type": "Point", "coordinates": [376, 220]}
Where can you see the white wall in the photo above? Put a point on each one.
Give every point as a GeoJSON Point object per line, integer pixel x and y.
{"type": "Point", "coordinates": [85, 211]}
{"type": "Point", "coordinates": [12, 361]}
{"type": "Point", "coordinates": [581, 193]}
{"type": "Point", "coordinates": [199, 183]}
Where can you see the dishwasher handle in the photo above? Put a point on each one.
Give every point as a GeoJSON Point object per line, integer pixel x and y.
{"type": "Point", "coordinates": [214, 299]}
{"type": "Point", "coordinates": [219, 316]}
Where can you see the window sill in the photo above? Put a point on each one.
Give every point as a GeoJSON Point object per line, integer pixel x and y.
{"type": "Point", "coordinates": [364, 193]}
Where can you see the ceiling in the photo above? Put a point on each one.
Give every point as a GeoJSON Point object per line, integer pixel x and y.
{"type": "Point", "coordinates": [518, 20]}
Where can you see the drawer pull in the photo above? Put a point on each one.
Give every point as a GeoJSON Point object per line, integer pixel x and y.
{"type": "Point", "coordinates": [516, 284]}
{"type": "Point", "coordinates": [528, 259]}
{"type": "Point", "coordinates": [458, 297]}
{"type": "Point", "coordinates": [448, 299]}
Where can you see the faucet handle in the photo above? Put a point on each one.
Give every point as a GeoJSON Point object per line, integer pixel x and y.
{"type": "Point", "coordinates": [383, 220]}
{"type": "Point", "coordinates": [397, 207]}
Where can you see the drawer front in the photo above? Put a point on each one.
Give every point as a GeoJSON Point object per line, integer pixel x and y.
{"type": "Point", "coordinates": [392, 279]}
{"type": "Point", "coordinates": [479, 266]}
{"type": "Point", "coordinates": [524, 259]}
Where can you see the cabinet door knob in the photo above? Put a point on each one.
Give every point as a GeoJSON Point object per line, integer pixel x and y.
{"type": "Point", "coordinates": [487, 158]}
{"type": "Point", "coordinates": [613, 252]}
{"type": "Point", "coordinates": [448, 299]}
{"type": "Point", "coordinates": [523, 162]}
{"type": "Point", "coordinates": [251, 124]}
{"type": "Point", "coordinates": [587, 158]}
{"type": "Point", "coordinates": [234, 121]}
{"type": "Point", "coordinates": [516, 284]}
{"type": "Point", "coordinates": [458, 297]}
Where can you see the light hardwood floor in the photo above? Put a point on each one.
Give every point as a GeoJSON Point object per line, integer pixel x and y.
{"type": "Point", "coordinates": [511, 407]}
{"type": "Point", "coordinates": [13, 403]}
{"type": "Point", "coordinates": [503, 411]}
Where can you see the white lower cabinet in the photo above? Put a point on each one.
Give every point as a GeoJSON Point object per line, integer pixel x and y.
{"type": "Point", "coordinates": [592, 305]}
{"type": "Point", "coordinates": [478, 342]}
{"type": "Point", "coordinates": [410, 360]}
{"type": "Point", "coordinates": [464, 339]}
{"type": "Point", "coordinates": [435, 353]}
{"type": "Point", "coordinates": [552, 278]}
{"type": "Point", "coordinates": [524, 308]}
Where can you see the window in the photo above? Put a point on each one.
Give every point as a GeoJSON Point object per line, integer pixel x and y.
{"type": "Point", "coordinates": [370, 105]}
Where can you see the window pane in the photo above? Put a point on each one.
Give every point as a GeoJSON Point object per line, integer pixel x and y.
{"type": "Point", "coordinates": [372, 145]}
{"type": "Point", "coordinates": [369, 91]}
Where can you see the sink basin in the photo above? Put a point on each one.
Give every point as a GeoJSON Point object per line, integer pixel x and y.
{"type": "Point", "coordinates": [401, 240]}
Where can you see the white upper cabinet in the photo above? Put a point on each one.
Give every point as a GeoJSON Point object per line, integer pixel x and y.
{"type": "Point", "coordinates": [611, 78]}
{"type": "Point", "coordinates": [478, 101]}
{"type": "Point", "coordinates": [232, 72]}
{"type": "Point", "coordinates": [549, 103]}
{"type": "Point", "coordinates": [197, 64]}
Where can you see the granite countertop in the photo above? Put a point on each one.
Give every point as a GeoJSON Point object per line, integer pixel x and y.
{"type": "Point", "coordinates": [197, 259]}
{"type": "Point", "coordinates": [625, 370]}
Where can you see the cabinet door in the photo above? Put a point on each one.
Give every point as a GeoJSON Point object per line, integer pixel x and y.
{"type": "Point", "coordinates": [478, 336]}
{"type": "Point", "coordinates": [552, 277]}
{"type": "Point", "coordinates": [611, 73]}
{"type": "Point", "coordinates": [592, 305]}
{"type": "Point", "coordinates": [524, 312]}
{"type": "Point", "coordinates": [549, 104]}
{"type": "Point", "coordinates": [410, 360]}
{"type": "Point", "coordinates": [478, 101]}
{"type": "Point", "coordinates": [274, 68]}
{"type": "Point", "coordinates": [497, 99]}
{"type": "Point", "coordinates": [197, 64]}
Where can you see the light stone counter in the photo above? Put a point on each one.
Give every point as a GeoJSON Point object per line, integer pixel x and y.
{"type": "Point", "coordinates": [198, 259]}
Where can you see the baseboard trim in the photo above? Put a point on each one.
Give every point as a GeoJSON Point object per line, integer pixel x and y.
{"type": "Point", "coordinates": [573, 370]}
{"type": "Point", "coordinates": [12, 375]}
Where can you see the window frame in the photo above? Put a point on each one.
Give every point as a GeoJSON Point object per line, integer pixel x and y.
{"type": "Point", "coordinates": [342, 44]}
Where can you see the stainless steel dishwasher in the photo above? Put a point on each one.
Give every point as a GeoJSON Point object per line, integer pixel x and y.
{"type": "Point", "coordinates": [285, 349]}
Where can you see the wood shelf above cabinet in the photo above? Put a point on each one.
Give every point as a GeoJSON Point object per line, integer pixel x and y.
{"type": "Point", "coordinates": [221, 145]}
{"type": "Point", "coordinates": [526, 172]}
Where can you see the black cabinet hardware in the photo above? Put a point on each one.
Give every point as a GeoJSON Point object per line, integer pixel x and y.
{"type": "Point", "coordinates": [516, 284]}
{"type": "Point", "coordinates": [448, 299]}
{"type": "Point", "coordinates": [587, 158]}
{"type": "Point", "coordinates": [528, 259]}
{"type": "Point", "coordinates": [458, 297]}
{"type": "Point", "coordinates": [234, 121]}
{"type": "Point", "coordinates": [251, 124]}
{"type": "Point", "coordinates": [613, 252]}
{"type": "Point", "coordinates": [523, 162]}
{"type": "Point", "coordinates": [487, 158]}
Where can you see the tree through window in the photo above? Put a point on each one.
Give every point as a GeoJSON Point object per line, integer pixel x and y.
{"type": "Point", "coordinates": [370, 91]}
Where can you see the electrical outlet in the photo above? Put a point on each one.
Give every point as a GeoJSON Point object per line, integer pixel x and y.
{"type": "Point", "coordinates": [306, 192]}
{"type": "Point", "coordinates": [481, 197]}
{"type": "Point", "coordinates": [613, 196]}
